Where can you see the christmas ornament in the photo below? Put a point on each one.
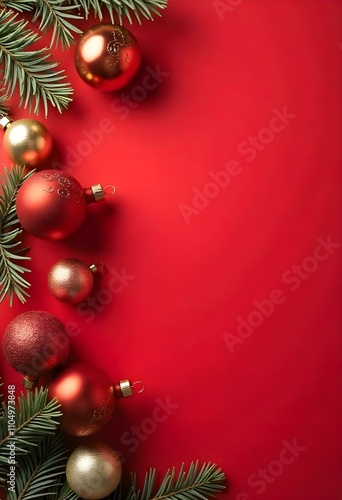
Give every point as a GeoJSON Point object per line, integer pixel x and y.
{"type": "Point", "coordinates": [52, 204]}
{"type": "Point", "coordinates": [35, 343]}
{"type": "Point", "coordinates": [26, 141]}
{"type": "Point", "coordinates": [87, 398]}
{"type": "Point", "coordinates": [107, 57]}
{"type": "Point", "coordinates": [93, 471]}
{"type": "Point", "coordinates": [71, 280]}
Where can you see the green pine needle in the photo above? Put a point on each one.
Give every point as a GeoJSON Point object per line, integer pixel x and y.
{"type": "Point", "coordinates": [56, 15]}
{"type": "Point", "coordinates": [12, 282]}
{"type": "Point", "coordinates": [32, 71]}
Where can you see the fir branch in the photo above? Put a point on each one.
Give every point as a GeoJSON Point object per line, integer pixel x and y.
{"type": "Point", "coordinates": [34, 418]}
{"type": "Point", "coordinates": [120, 9]}
{"type": "Point", "coordinates": [11, 279]}
{"type": "Point", "coordinates": [55, 14]}
{"type": "Point", "coordinates": [20, 5]}
{"type": "Point", "coordinates": [38, 474]}
{"type": "Point", "coordinates": [30, 70]}
{"type": "Point", "coordinates": [195, 484]}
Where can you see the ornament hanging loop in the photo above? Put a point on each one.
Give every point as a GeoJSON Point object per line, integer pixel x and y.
{"type": "Point", "coordinates": [125, 388]}
{"type": "Point", "coordinates": [97, 193]}
{"type": "Point", "coordinates": [109, 190]}
{"type": "Point", "coordinates": [140, 385]}
{"type": "Point", "coordinates": [97, 268]}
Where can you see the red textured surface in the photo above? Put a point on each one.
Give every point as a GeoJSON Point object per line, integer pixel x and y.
{"type": "Point", "coordinates": [240, 396]}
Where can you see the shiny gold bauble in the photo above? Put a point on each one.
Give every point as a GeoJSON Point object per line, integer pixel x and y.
{"type": "Point", "coordinates": [93, 471]}
{"type": "Point", "coordinates": [107, 57]}
{"type": "Point", "coordinates": [71, 280]}
{"type": "Point", "coordinates": [27, 142]}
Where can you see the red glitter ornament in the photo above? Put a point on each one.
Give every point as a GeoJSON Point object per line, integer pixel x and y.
{"type": "Point", "coordinates": [35, 343]}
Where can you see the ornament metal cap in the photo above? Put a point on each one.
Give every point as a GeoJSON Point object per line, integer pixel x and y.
{"type": "Point", "coordinates": [5, 121]}
{"type": "Point", "coordinates": [126, 388]}
{"type": "Point", "coordinates": [98, 192]}
{"type": "Point", "coordinates": [29, 383]}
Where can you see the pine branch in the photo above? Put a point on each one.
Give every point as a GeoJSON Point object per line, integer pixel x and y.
{"type": "Point", "coordinates": [34, 418]}
{"type": "Point", "coordinates": [38, 474]}
{"type": "Point", "coordinates": [195, 484]}
{"type": "Point", "coordinates": [11, 279]}
{"type": "Point", "coordinates": [20, 5]}
{"type": "Point", "coordinates": [56, 15]}
{"type": "Point", "coordinates": [30, 70]}
{"type": "Point", "coordinates": [120, 9]}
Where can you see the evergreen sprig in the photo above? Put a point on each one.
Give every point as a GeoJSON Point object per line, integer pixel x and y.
{"type": "Point", "coordinates": [194, 484]}
{"type": "Point", "coordinates": [12, 282]}
{"type": "Point", "coordinates": [34, 418]}
{"type": "Point", "coordinates": [32, 71]}
{"type": "Point", "coordinates": [40, 474]}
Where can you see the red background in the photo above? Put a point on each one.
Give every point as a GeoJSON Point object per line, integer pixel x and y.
{"type": "Point", "coordinates": [226, 73]}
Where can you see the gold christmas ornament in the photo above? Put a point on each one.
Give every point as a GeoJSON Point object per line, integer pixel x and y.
{"type": "Point", "coordinates": [71, 280]}
{"type": "Point", "coordinates": [93, 471]}
{"type": "Point", "coordinates": [26, 141]}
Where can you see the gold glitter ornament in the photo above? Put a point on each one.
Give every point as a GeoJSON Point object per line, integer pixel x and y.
{"type": "Point", "coordinates": [71, 280]}
{"type": "Point", "coordinates": [26, 141]}
{"type": "Point", "coordinates": [93, 471]}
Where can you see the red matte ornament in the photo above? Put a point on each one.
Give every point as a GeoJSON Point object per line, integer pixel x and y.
{"type": "Point", "coordinates": [52, 204]}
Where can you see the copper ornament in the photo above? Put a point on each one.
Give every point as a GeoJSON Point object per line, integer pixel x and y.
{"type": "Point", "coordinates": [107, 57]}
{"type": "Point", "coordinates": [71, 280]}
